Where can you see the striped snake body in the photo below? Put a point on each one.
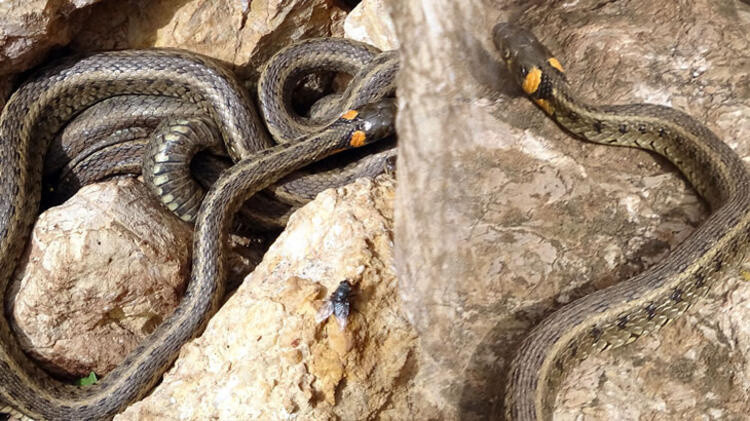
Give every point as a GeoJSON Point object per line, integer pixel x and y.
{"type": "Point", "coordinates": [110, 137]}
{"type": "Point", "coordinates": [124, 134]}
{"type": "Point", "coordinates": [40, 107]}
{"type": "Point", "coordinates": [373, 77]}
{"type": "Point", "coordinates": [626, 311]}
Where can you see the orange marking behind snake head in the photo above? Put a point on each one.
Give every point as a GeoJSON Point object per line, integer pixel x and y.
{"type": "Point", "coordinates": [350, 115]}
{"type": "Point", "coordinates": [556, 64]}
{"type": "Point", "coordinates": [532, 80]}
{"type": "Point", "coordinates": [358, 139]}
{"type": "Point", "coordinates": [546, 106]}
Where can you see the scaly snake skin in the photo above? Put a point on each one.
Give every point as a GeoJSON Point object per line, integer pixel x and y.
{"type": "Point", "coordinates": [39, 108]}
{"type": "Point", "coordinates": [624, 312]}
{"type": "Point", "coordinates": [108, 138]}
{"type": "Point", "coordinates": [112, 137]}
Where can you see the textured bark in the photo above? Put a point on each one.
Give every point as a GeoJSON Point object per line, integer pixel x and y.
{"type": "Point", "coordinates": [501, 217]}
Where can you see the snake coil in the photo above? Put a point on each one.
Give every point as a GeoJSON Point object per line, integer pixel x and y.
{"type": "Point", "coordinates": [42, 105]}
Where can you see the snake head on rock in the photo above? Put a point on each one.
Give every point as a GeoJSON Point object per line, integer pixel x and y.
{"type": "Point", "coordinates": [529, 62]}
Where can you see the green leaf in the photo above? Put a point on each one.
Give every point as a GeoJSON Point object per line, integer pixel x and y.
{"type": "Point", "coordinates": [88, 380]}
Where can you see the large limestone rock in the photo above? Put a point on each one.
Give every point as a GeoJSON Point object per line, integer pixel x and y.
{"type": "Point", "coordinates": [101, 272]}
{"type": "Point", "coordinates": [28, 29]}
{"type": "Point", "coordinates": [514, 218]}
{"type": "Point", "coordinates": [264, 356]}
{"type": "Point", "coordinates": [242, 34]}
{"type": "Point", "coordinates": [372, 22]}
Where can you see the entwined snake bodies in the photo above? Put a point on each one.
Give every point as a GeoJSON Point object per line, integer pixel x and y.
{"type": "Point", "coordinates": [622, 313]}
{"type": "Point", "coordinates": [110, 137]}
{"type": "Point", "coordinates": [39, 108]}
{"type": "Point", "coordinates": [607, 318]}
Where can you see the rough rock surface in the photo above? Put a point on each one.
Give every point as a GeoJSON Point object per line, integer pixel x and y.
{"type": "Point", "coordinates": [192, 25]}
{"type": "Point", "coordinates": [372, 22]}
{"type": "Point", "coordinates": [101, 272]}
{"type": "Point", "coordinates": [29, 28]}
{"type": "Point", "coordinates": [263, 356]}
{"type": "Point", "coordinates": [515, 218]}
{"type": "Point", "coordinates": [242, 34]}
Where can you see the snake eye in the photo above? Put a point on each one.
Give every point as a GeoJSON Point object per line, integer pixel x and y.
{"type": "Point", "coordinates": [506, 53]}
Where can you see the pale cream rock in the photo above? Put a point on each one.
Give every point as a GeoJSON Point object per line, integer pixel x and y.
{"type": "Point", "coordinates": [100, 273]}
{"type": "Point", "coordinates": [263, 356]}
{"type": "Point", "coordinates": [371, 22]}
{"type": "Point", "coordinates": [242, 34]}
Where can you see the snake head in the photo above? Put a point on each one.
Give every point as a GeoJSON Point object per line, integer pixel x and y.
{"type": "Point", "coordinates": [371, 122]}
{"type": "Point", "coordinates": [530, 63]}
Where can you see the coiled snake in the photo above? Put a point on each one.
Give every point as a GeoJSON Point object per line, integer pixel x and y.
{"type": "Point", "coordinates": [39, 108]}
{"type": "Point", "coordinates": [624, 312]}
{"type": "Point", "coordinates": [110, 137]}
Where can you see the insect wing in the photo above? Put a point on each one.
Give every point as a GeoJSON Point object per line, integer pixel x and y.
{"type": "Point", "coordinates": [324, 312]}
{"type": "Point", "coordinates": [341, 312]}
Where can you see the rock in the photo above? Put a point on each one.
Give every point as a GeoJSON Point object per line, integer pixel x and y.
{"type": "Point", "coordinates": [371, 22]}
{"type": "Point", "coordinates": [501, 217]}
{"type": "Point", "coordinates": [29, 29]}
{"type": "Point", "coordinates": [101, 272]}
{"type": "Point", "coordinates": [250, 32]}
{"type": "Point", "coordinates": [242, 34]}
{"type": "Point", "coordinates": [263, 356]}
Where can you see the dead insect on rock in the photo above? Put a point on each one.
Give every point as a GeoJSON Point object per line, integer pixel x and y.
{"type": "Point", "coordinates": [338, 304]}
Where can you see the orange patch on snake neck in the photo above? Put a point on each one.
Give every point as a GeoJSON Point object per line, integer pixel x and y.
{"type": "Point", "coordinates": [532, 80]}
{"type": "Point", "coordinates": [545, 105]}
{"type": "Point", "coordinates": [350, 115]}
{"type": "Point", "coordinates": [358, 139]}
{"type": "Point", "coordinates": [556, 64]}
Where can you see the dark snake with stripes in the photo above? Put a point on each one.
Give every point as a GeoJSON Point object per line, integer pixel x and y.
{"type": "Point", "coordinates": [622, 313]}
{"type": "Point", "coordinates": [40, 108]}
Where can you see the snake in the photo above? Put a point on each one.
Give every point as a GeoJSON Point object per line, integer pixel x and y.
{"type": "Point", "coordinates": [114, 136]}
{"type": "Point", "coordinates": [110, 137]}
{"type": "Point", "coordinates": [622, 313]}
{"type": "Point", "coordinates": [38, 109]}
